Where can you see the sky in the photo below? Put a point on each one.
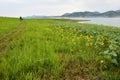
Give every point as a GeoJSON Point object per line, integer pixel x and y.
{"type": "Point", "coordinates": [16, 8]}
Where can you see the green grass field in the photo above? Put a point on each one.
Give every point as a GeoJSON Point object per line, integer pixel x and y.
{"type": "Point", "coordinates": [58, 49]}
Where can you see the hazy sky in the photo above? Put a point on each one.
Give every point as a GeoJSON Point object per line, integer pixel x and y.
{"type": "Point", "coordinates": [54, 7]}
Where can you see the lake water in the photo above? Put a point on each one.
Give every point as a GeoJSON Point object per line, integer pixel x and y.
{"type": "Point", "coordinates": [105, 21]}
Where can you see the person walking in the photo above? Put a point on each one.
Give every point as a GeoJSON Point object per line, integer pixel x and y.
{"type": "Point", "coordinates": [21, 18]}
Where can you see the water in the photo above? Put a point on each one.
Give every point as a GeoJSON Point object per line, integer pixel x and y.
{"type": "Point", "coordinates": [105, 21]}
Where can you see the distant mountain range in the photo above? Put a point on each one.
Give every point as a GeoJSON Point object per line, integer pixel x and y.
{"type": "Point", "coordinates": [83, 14]}
{"type": "Point", "coordinates": [37, 16]}
{"type": "Point", "coordinates": [93, 14]}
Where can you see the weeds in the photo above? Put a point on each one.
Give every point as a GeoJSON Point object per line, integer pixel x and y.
{"type": "Point", "coordinates": [51, 49]}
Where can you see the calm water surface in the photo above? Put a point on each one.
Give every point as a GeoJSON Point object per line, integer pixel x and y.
{"type": "Point", "coordinates": [105, 21]}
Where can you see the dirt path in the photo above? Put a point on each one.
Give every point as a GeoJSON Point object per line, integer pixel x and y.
{"type": "Point", "coordinates": [4, 40]}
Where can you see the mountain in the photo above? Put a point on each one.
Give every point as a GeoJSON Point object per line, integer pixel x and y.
{"type": "Point", "coordinates": [118, 10]}
{"type": "Point", "coordinates": [37, 16]}
{"type": "Point", "coordinates": [93, 14]}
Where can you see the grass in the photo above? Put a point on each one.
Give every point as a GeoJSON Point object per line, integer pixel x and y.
{"type": "Point", "coordinates": [7, 24]}
{"type": "Point", "coordinates": [56, 49]}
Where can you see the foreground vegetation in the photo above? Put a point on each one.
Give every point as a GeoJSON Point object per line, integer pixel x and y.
{"type": "Point", "coordinates": [53, 49]}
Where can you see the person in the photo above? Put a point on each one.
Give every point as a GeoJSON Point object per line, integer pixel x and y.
{"type": "Point", "coordinates": [21, 18]}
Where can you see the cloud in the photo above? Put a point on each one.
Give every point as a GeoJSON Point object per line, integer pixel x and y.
{"type": "Point", "coordinates": [10, 1]}
{"type": "Point", "coordinates": [54, 7]}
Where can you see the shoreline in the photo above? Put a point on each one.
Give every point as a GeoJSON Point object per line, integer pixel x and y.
{"type": "Point", "coordinates": [79, 21]}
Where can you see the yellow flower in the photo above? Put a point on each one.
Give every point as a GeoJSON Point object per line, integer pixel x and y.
{"type": "Point", "coordinates": [73, 40]}
{"type": "Point", "coordinates": [102, 61]}
{"type": "Point", "coordinates": [70, 28]}
{"type": "Point", "coordinates": [88, 38]}
{"type": "Point", "coordinates": [91, 36]}
{"type": "Point", "coordinates": [102, 43]}
{"type": "Point", "coordinates": [90, 44]}
{"type": "Point", "coordinates": [81, 35]}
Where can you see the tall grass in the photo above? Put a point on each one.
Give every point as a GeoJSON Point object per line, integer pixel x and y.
{"type": "Point", "coordinates": [49, 49]}
{"type": "Point", "coordinates": [7, 24]}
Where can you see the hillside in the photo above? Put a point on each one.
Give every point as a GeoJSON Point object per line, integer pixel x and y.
{"type": "Point", "coordinates": [93, 14]}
